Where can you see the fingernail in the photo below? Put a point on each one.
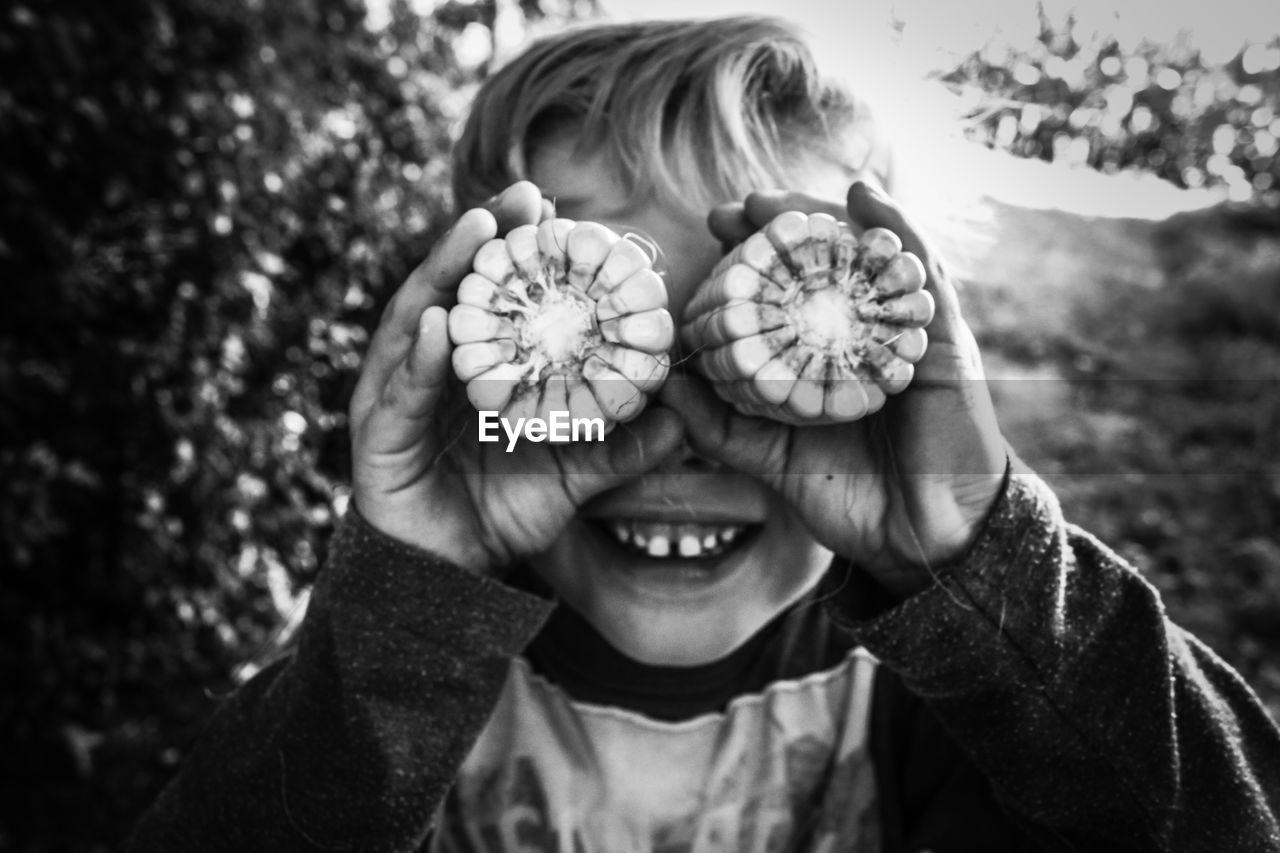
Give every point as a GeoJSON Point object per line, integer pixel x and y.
{"type": "Point", "coordinates": [467, 216]}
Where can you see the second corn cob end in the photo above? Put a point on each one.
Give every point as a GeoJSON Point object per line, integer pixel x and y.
{"type": "Point", "coordinates": [804, 322]}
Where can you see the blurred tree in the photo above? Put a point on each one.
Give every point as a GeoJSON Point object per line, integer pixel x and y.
{"type": "Point", "coordinates": [1078, 96]}
{"type": "Point", "coordinates": [1192, 496]}
{"type": "Point", "coordinates": [203, 204]}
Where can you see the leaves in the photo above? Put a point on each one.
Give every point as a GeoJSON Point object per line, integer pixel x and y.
{"type": "Point", "coordinates": [1077, 95]}
{"type": "Point", "coordinates": [1171, 459]}
{"type": "Point", "coordinates": [204, 203]}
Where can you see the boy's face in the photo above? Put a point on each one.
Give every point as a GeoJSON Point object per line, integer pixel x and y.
{"type": "Point", "coordinates": [683, 565]}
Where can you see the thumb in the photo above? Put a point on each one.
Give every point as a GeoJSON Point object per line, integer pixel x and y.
{"type": "Point", "coordinates": [630, 451]}
{"type": "Point", "coordinates": [397, 421]}
{"type": "Point", "coordinates": [519, 204]}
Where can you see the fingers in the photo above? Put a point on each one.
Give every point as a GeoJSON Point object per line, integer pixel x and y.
{"type": "Point", "coordinates": [762, 207]}
{"type": "Point", "coordinates": [396, 422]}
{"type": "Point", "coordinates": [735, 222]}
{"type": "Point", "coordinates": [631, 450]}
{"type": "Point", "coordinates": [435, 281]}
{"type": "Point", "coordinates": [729, 224]}
{"type": "Point", "coordinates": [432, 284]}
{"type": "Point", "coordinates": [871, 208]}
{"type": "Point", "coordinates": [519, 204]}
{"type": "Point", "coordinates": [755, 446]}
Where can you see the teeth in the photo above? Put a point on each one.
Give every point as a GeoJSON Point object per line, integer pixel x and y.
{"type": "Point", "coordinates": [687, 541]}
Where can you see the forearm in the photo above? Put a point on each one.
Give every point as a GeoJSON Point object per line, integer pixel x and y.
{"type": "Point", "coordinates": [352, 742]}
{"type": "Point", "coordinates": [1098, 721]}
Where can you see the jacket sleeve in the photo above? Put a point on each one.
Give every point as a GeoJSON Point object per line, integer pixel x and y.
{"type": "Point", "coordinates": [1100, 724]}
{"type": "Point", "coordinates": [352, 741]}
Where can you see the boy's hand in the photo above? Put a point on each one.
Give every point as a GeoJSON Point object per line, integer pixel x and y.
{"type": "Point", "coordinates": [420, 474]}
{"type": "Point", "coordinates": [901, 491]}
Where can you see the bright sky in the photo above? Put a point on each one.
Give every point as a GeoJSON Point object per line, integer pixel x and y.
{"type": "Point", "coordinates": [935, 27]}
{"type": "Point", "coordinates": [854, 40]}
{"type": "Point", "coordinates": [855, 34]}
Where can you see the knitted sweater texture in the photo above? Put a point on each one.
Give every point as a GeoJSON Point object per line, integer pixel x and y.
{"type": "Point", "coordinates": [1043, 661]}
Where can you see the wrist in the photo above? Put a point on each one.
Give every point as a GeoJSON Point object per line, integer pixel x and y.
{"type": "Point", "coordinates": [946, 522]}
{"type": "Point", "coordinates": [434, 534]}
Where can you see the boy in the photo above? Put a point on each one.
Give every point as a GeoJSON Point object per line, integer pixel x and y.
{"type": "Point", "coordinates": [892, 642]}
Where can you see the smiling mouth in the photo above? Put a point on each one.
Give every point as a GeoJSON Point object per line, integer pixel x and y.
{"type": "Point", "coordinates": [683, 541]}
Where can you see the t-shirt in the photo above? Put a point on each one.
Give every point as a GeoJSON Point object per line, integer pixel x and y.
{"type": "Point", "coordinates": [1035, 698]}
{"type": "Point", "coordinates": [763, 750]}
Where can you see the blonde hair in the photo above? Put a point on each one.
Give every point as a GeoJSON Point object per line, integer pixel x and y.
{"type": "Point", "coordinates": [693, 113]}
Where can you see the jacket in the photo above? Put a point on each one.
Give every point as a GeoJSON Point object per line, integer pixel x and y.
{"type": "Point", "coordinates": [1036, 697]}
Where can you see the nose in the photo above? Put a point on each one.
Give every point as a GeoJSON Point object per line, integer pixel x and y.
{"type": "Point", "coordinates": [687, 461]}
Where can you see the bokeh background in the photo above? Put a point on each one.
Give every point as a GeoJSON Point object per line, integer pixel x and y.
{"type": "Point", "coordinates": [203, 204]}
